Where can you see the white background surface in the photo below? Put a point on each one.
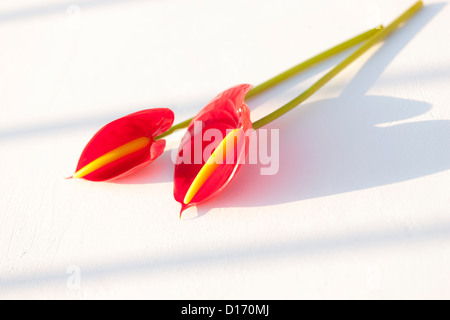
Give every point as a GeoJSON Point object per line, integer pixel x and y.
{"type": "Point", "coordinates": [360, 207]}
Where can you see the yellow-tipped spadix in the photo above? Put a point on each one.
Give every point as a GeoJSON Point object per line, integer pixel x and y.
{"type": "Point", "coordinates": [113, 155]}
{"type": "Point", "coordinates": [217, 157]}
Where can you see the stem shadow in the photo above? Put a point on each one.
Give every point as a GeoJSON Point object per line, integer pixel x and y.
{"type": "Point", "coordinates": [350, 142]}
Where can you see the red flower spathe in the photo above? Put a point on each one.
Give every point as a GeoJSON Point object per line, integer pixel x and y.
{"type": "Point", "coordinates": [228, 111]}
{"type": "Point", "coordinates": [138, 132]}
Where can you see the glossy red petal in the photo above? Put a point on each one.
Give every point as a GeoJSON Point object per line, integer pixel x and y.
{"type": "Point", "coordinates": [228, 111]}
{"type": "Point", "coordinates": [147, 123]}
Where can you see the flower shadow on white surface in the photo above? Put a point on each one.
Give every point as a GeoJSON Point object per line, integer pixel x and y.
{"type": "Point", "coordinates": [343, 128]}
{"type": "Point", "coordinates": [162, 169]}
{"type": "Point", "coordinates": [350, 142]}
{"type": "Point", "coordinates": [338, 145]}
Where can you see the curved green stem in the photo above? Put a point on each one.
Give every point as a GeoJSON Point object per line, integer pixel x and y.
{"type": "Point", "coordinates": [174, 128]}
{"type": "Point", "coordinates": [341, 66]}
{"type": "Point", "coordinates": [291, 72]}
{"type": "Point", "coordinates": [311, 62]}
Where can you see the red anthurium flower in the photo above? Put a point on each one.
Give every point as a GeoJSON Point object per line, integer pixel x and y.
{"type": "Point", "coordinates": [213, 147]}
{"type": "Point", "coordinates": [124, 145]}
{"type": "Point", "coordinates": [198, 176]}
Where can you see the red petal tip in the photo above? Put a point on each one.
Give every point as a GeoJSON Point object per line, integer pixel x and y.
{"type": "Point", "coordinates": [183, 208]}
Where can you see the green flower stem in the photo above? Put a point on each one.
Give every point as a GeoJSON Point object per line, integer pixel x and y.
{"type": "Point", "coordinates": [341, 66]}
{"type": "Point", "coordinates": [311, 62]}
{"type": "Point", "coordinates": [291, 72]}
{"type": "Point", "coordinates": [174, 128]}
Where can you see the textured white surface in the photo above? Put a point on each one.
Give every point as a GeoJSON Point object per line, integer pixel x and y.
{"type": "Point", "coordinates": [359, 209]}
